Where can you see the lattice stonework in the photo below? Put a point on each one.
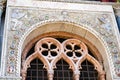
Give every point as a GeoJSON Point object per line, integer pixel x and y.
{"type": "Point", "coordinates": [50, 50]}
{"type": "Point", "coordinates": [24, 19]}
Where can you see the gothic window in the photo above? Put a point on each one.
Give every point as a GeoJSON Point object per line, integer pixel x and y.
{"type": "Point", "coordinates": [62, 71]}
{"type": "Point", "coordinates": [61, 59]}
{"type": "Point", "coordinates": [88, 72]}
{"type": "Point", "coordinates": [36, 71]}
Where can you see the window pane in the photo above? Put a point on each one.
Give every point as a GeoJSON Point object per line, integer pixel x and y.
{"type": "Point", "coordinates": [62, 72]}
{"type": "Point", "coordinates": [88, 72]}
{"type": "Point", "coordinates": [36, 71]}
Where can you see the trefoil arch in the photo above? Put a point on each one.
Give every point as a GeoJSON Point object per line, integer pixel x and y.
{"type": "Point", "coordinates": [49, 50]}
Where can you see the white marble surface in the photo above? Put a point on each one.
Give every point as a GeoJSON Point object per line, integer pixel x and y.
{"type": "Point", "coordinates": [60, 5]}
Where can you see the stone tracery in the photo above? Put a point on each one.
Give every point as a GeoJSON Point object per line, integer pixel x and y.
{"type": "Point", "coordinates": [50, 51]}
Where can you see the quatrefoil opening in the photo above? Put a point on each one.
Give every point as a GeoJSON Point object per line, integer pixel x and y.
{"type": "Point", "coordinates": [74, 49]}
{"type": "Point", "coordinates": [49, 48]}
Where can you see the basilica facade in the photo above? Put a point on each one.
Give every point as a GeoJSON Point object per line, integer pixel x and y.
{"type": "Point", "coordinates": [60, 40]}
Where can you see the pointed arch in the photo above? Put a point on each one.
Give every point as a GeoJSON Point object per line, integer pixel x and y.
{"type": "Point", "coordinates": [26, 64]}
{"type": "Point", "coordinates": [53, 29]}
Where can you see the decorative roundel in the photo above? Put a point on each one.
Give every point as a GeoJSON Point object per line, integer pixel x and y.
{"type": "Point", "coordinates": [48, 47]}
{"type": "Point", "coordinates": [74, 49]}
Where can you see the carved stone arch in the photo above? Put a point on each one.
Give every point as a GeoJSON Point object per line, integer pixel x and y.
{"type": "Point", "coordinates": [69, 61]}
{"type": "Point", "coordinates": [66, 59]}
{"type": "Point", "coordinates": [97, 66]}
{"type": "Point", "coordinates": [27, 62]}
{"type": "Point", "coordinates": [68, 30]}
{"type": "Point", "coordinates": [75, 55]}
{"type": "Point", "coordinates": [57, 48]}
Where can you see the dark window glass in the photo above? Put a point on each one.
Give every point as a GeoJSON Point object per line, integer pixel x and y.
{"type": "Point", "coordinates": [62, 72]}
{"type": "Point", "coordinates": [36, 71]}
{"type": "Point", "coordinates": [88, 72]}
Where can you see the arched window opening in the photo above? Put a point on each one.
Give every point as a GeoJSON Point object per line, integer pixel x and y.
{"type": "Point", "coordinates": [49, 52]}
{"type": "Point", "coordinates": [62, 71]}
{"type": "Point", "coordinates": [36, 71]}
{"type": "Point", "coordinates": [88, 72]}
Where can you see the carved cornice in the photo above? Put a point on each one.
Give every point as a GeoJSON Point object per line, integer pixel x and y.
{"type": "Point", "coordinates": [68, 1]}
{"type": "Point", "coordinates": [116, 6]}
{"type": "Point", "coordinates": [82, 2]}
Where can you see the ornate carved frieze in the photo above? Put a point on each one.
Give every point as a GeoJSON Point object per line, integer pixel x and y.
{"type": "Point", "coordinates": [22, 19]}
